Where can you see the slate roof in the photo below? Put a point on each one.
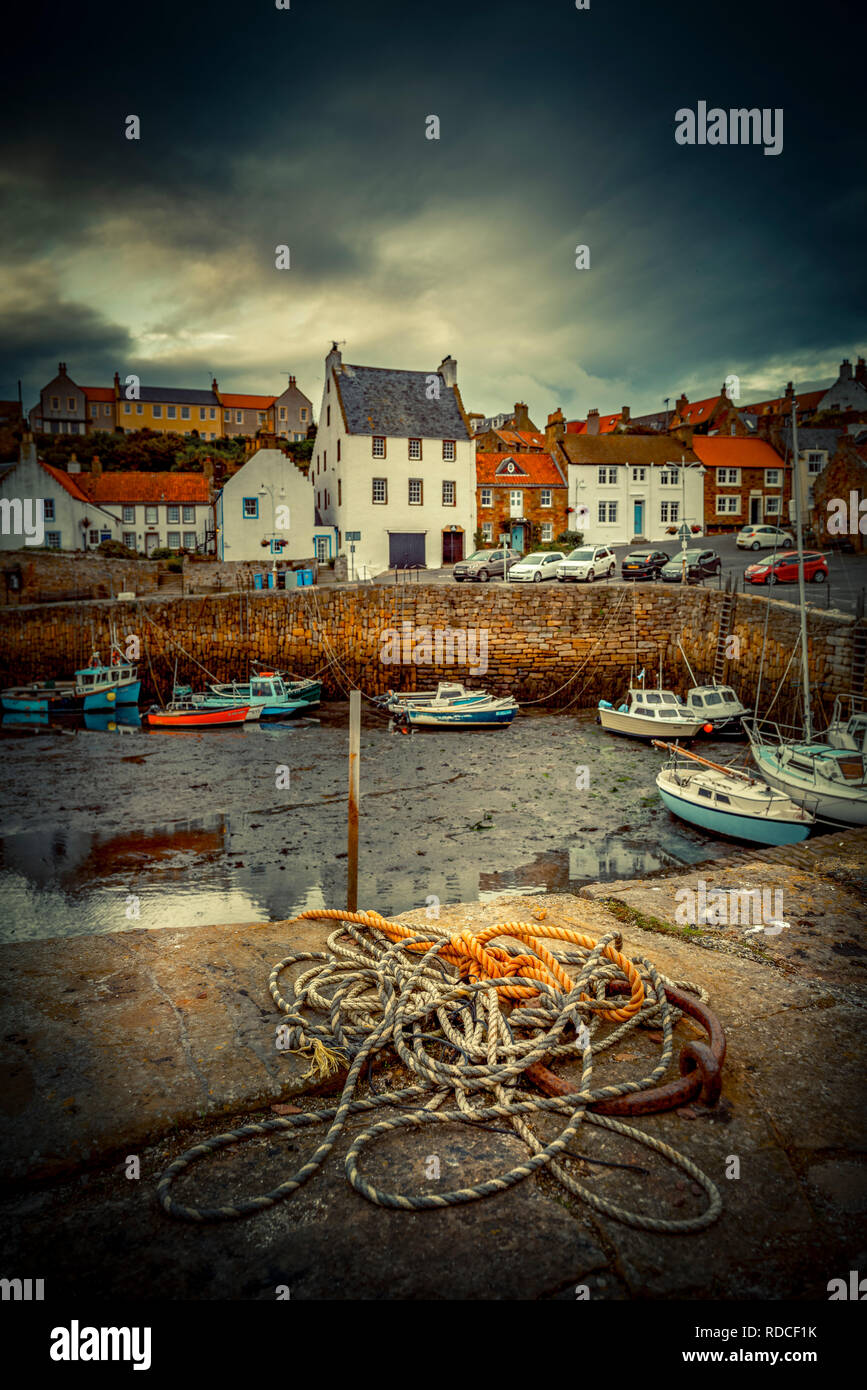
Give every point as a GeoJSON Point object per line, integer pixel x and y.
{"type": "Point", "coordinates": [634, 449]}
{"type": "Point", "coordinates": [813, 439]}
{"type": "Point", "coordinates": [531, 470]}
{"type": "Point", "coordinates": [383, 401]}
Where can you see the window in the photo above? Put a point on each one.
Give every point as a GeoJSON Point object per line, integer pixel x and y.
{"type": "Point", "coordinates": [48, 509]}
{"type": "Point", "coordinates": [128, 514]}
{"type": "Point", "coordinates": [139, 410]}
{"type": "Point", "coordinates": [670, 477]}
{"type": "Point", "coordinates": [106, 410]}
{"type": "Point", "coordinates": [339, 493]}
{"type": "Point", "coordinates": [772, 506]}
{"type": "Point", "coordinates": [127, 409]}
{"type": "Point", "coordinates": [772, 477]}
{"type": "Point", "coordinates": [815, 463]}
{"type": "Point", "coordinates": [728, 477]}
{"type": "Point", "coordinates": [55, 402]}
{"type": "Point", "coordinates": [669, 511]}
{"type": "Point", "coordinates": [639, 475]}
{"type": "Point", "coordinates": [338, 451]}
{"type": "Point", "coordinates": [378, 447]}
{"type": "Point", "coordinates": [185, 412]}
{"type": "Point", "coordinates": [415, 448]}
{"type": "Point", "coordinates": [282, 412]}
{"type": "Point", "coordinates": [157, 412]}
{"type": "Point", "coordinates": [189, 540]}
{"type": "Point", "coordinates": [213, 414]}
{"type": "Point", "coordinates": [328, 415]}
{"type": "Point", "coordinates": [607, 511]}
{"type": "Point", "coordinates": [324, 460]}
{"type": "Point", "coordinates": [380, 490]}
{"type": "Point", "coordinates": [151, 516]}
{"type": "Point", "coordinates": [189, 513]}
{"type": "Point", "coordinates": [239, 417]}
{"type": "Point", "coordinates": [606, 476]}
{"type": "Point", "coordinates": [129, 539]}
{"type": "Point", "coordinates": [487, 497]}
{"type": "Point", "coordinates": [202, 412]}
{"type": "Point", "coordinates": [171, 412]}
{"type": "Point", "coordinates": [487, 530]}
{"type": "Point", "coordinates": [174, 540]}
{"type": "Point", "coordinates": [70, 404]}
{"type": "Point", "coordinates": [251, 507]}
{"type": "Point", "coordinates": [261, 417]}
{"type": "Point", "coordinates": [546, 498]}
{"type": "Point", "coordinates": [449, 453]}
{"type": "Point", "coordinates": [52, 540]}
{"type": "Point", "coordinates": [94, 410]}
{"type": "Point", "coordinates": [302, 414]}
{"type": "Point", "coordinates": [93, 537]}
{"type": "Point", "coordinates": [415, 492]}
{"type": "Point", "coordinates": [227, 415]}
{"type": "Point", "coordinates": [727, 505]}
{"type": "Point", "coordinates": [173, 514]}
{"type": "Point", "coordinates": [448, 493]}
{"type": "Point", "coordinates": [548, 530]}
{"type": "Point", "coordinates": [516, 501]}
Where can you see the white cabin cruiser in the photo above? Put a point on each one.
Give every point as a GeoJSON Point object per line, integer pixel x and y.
{"type": "Point", "coordinates": [650, 714]}
{"type": "Point", "coordinates": [717, 705]}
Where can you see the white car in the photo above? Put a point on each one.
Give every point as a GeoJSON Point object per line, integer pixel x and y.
{"type": "Point", "coordinates": [542, 564]}
{"type": "Point", "coordinates": [586, 563]}
{"type": "Point", "coordinates": [764, 538]}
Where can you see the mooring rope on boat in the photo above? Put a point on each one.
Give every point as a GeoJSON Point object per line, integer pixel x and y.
{"type": "Point", "coordinates": [383, 986]}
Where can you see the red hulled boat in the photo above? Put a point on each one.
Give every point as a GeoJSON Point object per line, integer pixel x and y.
{"type": "Point", "coordinates": [183, 715]}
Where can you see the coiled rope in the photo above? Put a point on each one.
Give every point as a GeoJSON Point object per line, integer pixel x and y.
{"type": "Point", "coordinates": [381, 985]}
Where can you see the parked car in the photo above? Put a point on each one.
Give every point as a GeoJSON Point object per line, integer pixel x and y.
{"type": "Point", "coordinates": [586, 563]}
{"type": "Point", "coordinates": [532, 569]}
{"type": "Point", "coordinates": [485, 564]}
{"type": "Point", "coordinates": [643, 564]}
{"type": "Point", "coordinates": [699, 564]}
{"type": "Point", "coordinates": [764, 538]}
{"type": "Point", "coordinates": [783, 569]}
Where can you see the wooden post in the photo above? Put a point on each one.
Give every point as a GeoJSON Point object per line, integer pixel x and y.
{"type": "Point", "coordinates": [354, 762]}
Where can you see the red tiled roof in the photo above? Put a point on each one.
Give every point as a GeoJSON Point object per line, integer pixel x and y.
{"type": "Point", "coordinates": [807, 400]}
{"type": "Point", "coordinates": [727, 451]}
{"type": "Point", "coordinates": [131, 488]}
{"type": "Point", "coordinates": [99, 393]}
{"type": "Point", "coordinates": [538, 470]}
{"type": "Point", "coordinates": [519, 438]}
{"type": "Point", "coordinates": [696, 412]}
{"type": "Point", "coordinates": [607, 425]}
{"type": "Point", "coordinates": [247, 402]}
{"type": "Point", "coordinates": [68, 481]}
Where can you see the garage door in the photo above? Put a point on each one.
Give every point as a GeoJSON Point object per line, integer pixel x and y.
{"type": "Point", "coordinates": [405, 548]}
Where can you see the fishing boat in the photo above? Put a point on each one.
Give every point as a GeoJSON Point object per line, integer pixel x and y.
{"type": "Point", "coordinates": [827, 779]}
{"type": "Point", "coordinates": [729, 802]}
{"type": "Point", "coordinates": [181, 714]}
{"type": "Point", "coordinates": [450, 706]}
{"type": "Point", "coordinates": [651, 714]}
{"type": "Point", "coordinates": [718, 705]}
{"type": "Point", "coordinates": [94, 687]}
{"type": "Point", "coordinates": [278, 697]}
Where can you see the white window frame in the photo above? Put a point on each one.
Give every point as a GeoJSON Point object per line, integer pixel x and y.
{"type": "Point", "coordinates": [728, 477]}
{"type": "Point", "coordinates": [773, 506]}
{"type": "Point", "coordinates": [449, 450]}
{"type": "Point", "coordinates": [157, 412]}
{"type": "Point", "coordinates": [129, 540]}
{"type": "Point", "coordinates": [170, 519]}
{"type": "Point", "coordinates": [773, 477]}
{"type": "Point", "coordinates": [379, 485]}
{"type": "Point", "coordinates": [128, 514]}
{"type": "Point", "coordinates": [189, 513]}
{"type": "Point", "coordinates": [723, 504]}
{"type": "Point", "coordinates": [669, 511]}
{"type": "Point", "coordinates": [449, 493]}
{"type": "Point", "coordinates": [487, 530]}
{"type": "Point", "coordinates": [546, 498]}
{"type": "Point", "coordinates": [547, 530]}
{"type": "Point", "coordinates": [486, 497]}
{"type": "Point", "coordinates": [173, 540]}
{"type": "Point", "coordinates": [171, 412]}
{"type": "Point", "coordinates": [639, 475]}
{"type": "Point", "coordinates": [606, 513]}
{"type": "Point", "coordinates": [377, 446]}
{"type": "Point", "coordinates": [606, 476]}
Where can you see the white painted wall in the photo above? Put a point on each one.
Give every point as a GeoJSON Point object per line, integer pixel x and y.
{"type": "Point", "coordinates": [29, 481]}
{"type": "Point", "coordinates": [585, 490]}
{"type": "Point", "coordinates": [240, 537]}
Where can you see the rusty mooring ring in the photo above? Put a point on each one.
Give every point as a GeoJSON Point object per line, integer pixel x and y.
{"type": "Point", "coordinates": [700, 1066]}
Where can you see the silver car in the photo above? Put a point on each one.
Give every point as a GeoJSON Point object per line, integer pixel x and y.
{"type": "Point", "coordinates": [542, 564]}
{"type": "Point", "coordinates": [764, 538]}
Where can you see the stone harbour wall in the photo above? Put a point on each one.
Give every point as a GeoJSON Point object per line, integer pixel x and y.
{"type": "Point", "coordinates": [565, 646]}
{"type": "Point", "coordinates": [48, 576]}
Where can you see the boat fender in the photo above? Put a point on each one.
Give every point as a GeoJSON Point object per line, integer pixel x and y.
{"type": "Point", "coordinates": [708, 728]}
{"type": "Point", "coordinates": [605, 704]}
{"type": "Point", "coordinates": [623, 709]}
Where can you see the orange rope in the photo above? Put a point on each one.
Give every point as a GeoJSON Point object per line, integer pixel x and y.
{"type": "Point", "coordinates": [475, 960]}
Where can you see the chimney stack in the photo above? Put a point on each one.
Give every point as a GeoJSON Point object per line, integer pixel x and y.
{"type": "Point", "coordinates": [681, 403]}
{"type": "Point", "coordinates": [448, 370]}
{"type": "Point", "coordinates": [214, 387]}
{"type": "Point", "coordinates": [291, 383]}
{"type": "Point", "coordinates": [624, 415]}
{"type": "Point", "coordinates": [861, 372]}
{"type": "Point", "coordinates": [845, 370]}
{"type": "Point", "coordinates": [555, 429]}
{"type": "Point", "coordinates": [95, 466]}
{"type": "Point", "coordinates": [592, 422]}
{"type": "Point", "coordinates": [73, 466]}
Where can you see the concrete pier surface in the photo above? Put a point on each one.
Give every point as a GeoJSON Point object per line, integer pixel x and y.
{"type": "Point", "coordinates": [142, 1042]}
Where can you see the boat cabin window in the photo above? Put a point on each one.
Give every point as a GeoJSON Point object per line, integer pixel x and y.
{"type": "Point", "coordinates": [654, 698]}
{"type": "Point", "coordinates": [713, 699]}
{"type": "Point", "coordinates": [724, 799]}
{"type": "Point", "coordinates": [87, 680]}
{"type": "Point", "coordinates": [728, 694]}
{"type": "Point", "coordinates": [697, 700]}
{"type": "Point", "coordinates": [115, 673]}
{"type": "Point", "coordinates": [703, 791]}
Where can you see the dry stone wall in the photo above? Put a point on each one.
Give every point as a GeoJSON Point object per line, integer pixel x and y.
{"type": "Point", "coordinates": [566, 647]}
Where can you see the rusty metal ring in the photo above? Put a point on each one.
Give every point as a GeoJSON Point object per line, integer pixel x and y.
{"type": "Point", "coordinates": [700, 1066]}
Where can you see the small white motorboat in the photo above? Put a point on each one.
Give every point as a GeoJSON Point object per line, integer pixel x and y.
{"type": "Point", "coordinates": [728, 802]}
{"type": "Point", "coordinates": [719, 706]}
{"type": "Point", "coordinates": [651, 714]}
{"type": "Point", "coordinates": [451, 705]}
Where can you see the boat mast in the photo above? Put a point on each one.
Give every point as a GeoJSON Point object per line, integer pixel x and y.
{"type": "Point", "coordinates": [802, 598]}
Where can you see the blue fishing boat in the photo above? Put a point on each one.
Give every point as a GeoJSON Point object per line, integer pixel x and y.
{"type": "Point", "coordinates": [266, 691]}
{"type": "Point", "coordinates": [94, 687]}
{"type": "Point", "coordinates": [450, 706]}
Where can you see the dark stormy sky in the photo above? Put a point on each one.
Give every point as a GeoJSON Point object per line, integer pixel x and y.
{"type": "Point", "coordinates": [307, 127]}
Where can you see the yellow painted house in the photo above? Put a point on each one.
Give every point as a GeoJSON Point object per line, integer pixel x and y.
{"type": "Point", "coordinates": [168, 409]}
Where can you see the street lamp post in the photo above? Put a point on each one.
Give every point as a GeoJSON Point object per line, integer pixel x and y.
{"type": "Point", "coordinates": [701, 470]}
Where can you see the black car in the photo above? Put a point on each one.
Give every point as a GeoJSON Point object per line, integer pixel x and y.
{"type": "Point", "coordinates": [699, 564]}
{"type": "Point", "coordinates": [642, 564]}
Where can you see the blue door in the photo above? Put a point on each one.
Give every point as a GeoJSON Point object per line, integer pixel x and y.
{"type": "Point", "coordinates": [638, 518]}
{"type": "Point", "coordinates": [518, 538]}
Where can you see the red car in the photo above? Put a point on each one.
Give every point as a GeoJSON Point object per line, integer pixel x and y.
{"type": "Point", "coordinates": [783, 569]}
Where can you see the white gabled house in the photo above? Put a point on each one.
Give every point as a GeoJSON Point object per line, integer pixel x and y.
{"type": "Point", "coordinates": [394, 461]}
{"type": "Point", "coordinates": [72, 520]}
{"type": "Point", "coordinates": [266, 509]}
{"type": "Point", "coordinates": [626, 488]}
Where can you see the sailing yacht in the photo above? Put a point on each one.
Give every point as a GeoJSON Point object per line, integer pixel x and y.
{"type": "Point", "coordinates": [824, 775]}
